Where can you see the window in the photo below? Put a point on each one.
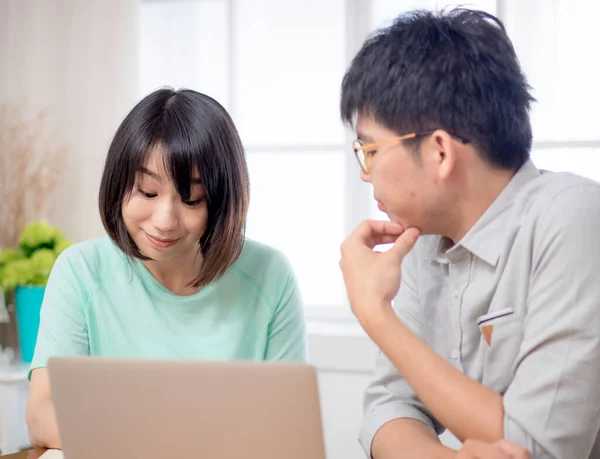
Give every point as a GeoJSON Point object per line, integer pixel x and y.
{"type": "Point", "coordinates": [277, 68]}
{"type": "Point", "coordinates": [553, 39]}
{"type": "Point", "coordinates": [277, 65]}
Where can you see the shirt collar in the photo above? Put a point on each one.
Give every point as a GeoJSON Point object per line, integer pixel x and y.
{"type": "Point", "coordinates": [486, 237]}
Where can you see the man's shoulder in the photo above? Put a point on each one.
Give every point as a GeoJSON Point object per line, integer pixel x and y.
{"type": "Point", "coordinates": [546, 205]}
{"type": "Point", "coordinates": [552, 190]}
{"type": "Point", "coordinates": [555, 212]}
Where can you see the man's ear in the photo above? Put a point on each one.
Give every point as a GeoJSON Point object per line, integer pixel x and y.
{"type": "Point", "coordinates": [440, 151]}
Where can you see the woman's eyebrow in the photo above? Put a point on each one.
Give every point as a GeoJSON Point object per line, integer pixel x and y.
{"type": "Point", "coordinates": [154, 175]}
{"type": "Point", "coordinates": [145, 170]}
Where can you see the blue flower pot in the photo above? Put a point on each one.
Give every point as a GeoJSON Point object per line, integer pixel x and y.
{"type": "Point", "coordinates": [28, 303]}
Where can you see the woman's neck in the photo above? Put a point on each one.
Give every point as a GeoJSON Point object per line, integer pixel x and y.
{"type": "Point", "coordinates": [176, 274]}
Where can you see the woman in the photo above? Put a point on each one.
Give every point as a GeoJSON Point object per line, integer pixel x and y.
{"type": "Point", "coordinates": [175, 277]}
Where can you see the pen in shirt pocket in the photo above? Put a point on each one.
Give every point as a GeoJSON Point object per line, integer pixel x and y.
{"type": "Point", "coordinates": [486, 322]}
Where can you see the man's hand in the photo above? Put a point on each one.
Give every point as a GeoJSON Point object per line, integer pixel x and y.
{"type": "Point", "coordinates": [473, 449]}
{"type": "Point", "coordinates": [373, 278]}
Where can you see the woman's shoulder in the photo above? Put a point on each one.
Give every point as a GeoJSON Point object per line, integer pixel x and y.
{"type": "Point", "coordinates": [91, 260]}
{"type": "Point", "coordinates": [263, 264]}
{"type": "Point", "coordinates": [258, 255]}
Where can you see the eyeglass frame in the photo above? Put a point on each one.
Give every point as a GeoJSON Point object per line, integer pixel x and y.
{"type": "Point", "coordinates": [359, 147]}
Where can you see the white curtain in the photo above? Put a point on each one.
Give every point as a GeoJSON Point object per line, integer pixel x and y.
{"type": "Point", "coordinates": [75, 60]}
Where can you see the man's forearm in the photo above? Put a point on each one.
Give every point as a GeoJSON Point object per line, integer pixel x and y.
{"type": "Point", "coordinates": [42, 425]}
{"type": "Point", "coordinates": [408, 438]}
{"type": "Point", "coordinates": [464, 406]}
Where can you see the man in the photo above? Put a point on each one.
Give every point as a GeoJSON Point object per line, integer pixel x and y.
{"type": "Point", "coordinates": [495, 325]}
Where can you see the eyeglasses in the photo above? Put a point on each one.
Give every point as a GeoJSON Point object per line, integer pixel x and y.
{"type": "Point", "coordinates": [364, 153]}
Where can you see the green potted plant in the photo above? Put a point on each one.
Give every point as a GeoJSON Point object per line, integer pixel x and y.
{"type": "Point", "coordinates": [24, 272]}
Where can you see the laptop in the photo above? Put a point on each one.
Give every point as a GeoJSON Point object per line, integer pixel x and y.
{"type": "Point", "coordinates": [157, 409]}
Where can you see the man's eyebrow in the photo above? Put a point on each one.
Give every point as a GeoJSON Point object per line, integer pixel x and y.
{"type": "Point", "coordinates": [364, 137]}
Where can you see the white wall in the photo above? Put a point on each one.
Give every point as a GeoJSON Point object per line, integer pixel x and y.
{"type": "Point", "coordinates": [78, 62]}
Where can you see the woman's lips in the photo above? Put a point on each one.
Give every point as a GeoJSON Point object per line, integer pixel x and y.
{"type": "Point", "coordinates": [161, 243]}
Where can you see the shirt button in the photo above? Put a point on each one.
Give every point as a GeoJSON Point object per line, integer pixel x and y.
{"type": "Point", "coordinates": [455, 294]}
{"type": "Point", "coordinates": [455, 354]}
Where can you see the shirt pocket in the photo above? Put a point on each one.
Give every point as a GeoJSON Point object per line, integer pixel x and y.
{"type": "Point", "coordinates": [500, 357]}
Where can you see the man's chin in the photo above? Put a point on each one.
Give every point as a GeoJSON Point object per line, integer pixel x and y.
{"type": "Point", "coordinates": [406, 223]}
{"type": "Point", "coordinates": [395, 218]}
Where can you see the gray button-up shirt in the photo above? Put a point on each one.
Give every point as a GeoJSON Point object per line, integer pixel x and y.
{"type": "Point", "coordinates": [536, 250]}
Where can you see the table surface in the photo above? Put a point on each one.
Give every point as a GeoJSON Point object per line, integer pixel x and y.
{"type": "Point", "coordinates": [29, 454]}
